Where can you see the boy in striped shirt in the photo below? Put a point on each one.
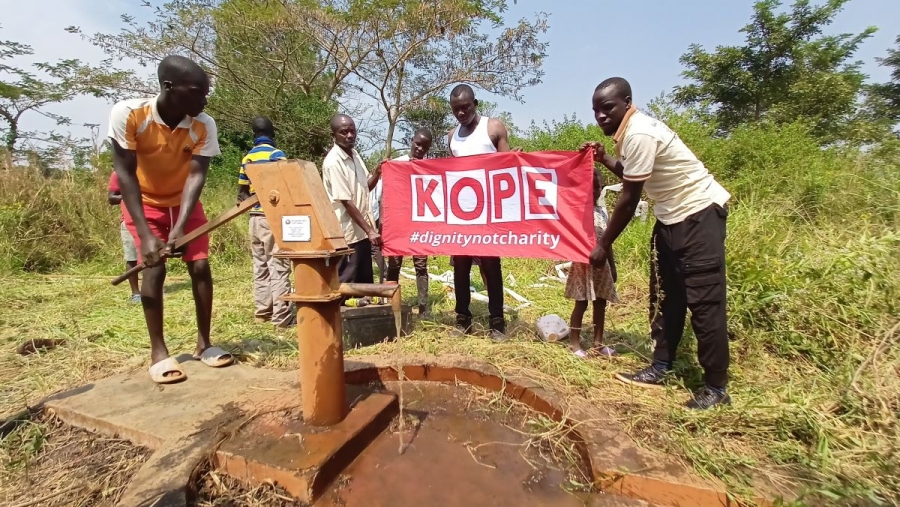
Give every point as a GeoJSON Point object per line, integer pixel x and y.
{"type": "Point", "coordinates": [271, 275]}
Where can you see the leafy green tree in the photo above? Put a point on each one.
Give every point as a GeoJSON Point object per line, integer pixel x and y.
{"type": "Point", "coordinates": [248, 35]}
{"type": "Point", "coordinates": [566, 135]}
{"type": "Point", "coordinates": [23, 92]}
{"type": "Point", "coordinates": [260, 56]}
{"type": "Point", "coordinates": [434, 114]}
{"type": "Point", "coordinates": [419, 49]}
{"type": "Point", "coordinates": [888, 94]}
{"type": "Point", "coordinates": [786, 70]}
{"type": "Point", "coordinates": [263, 55]}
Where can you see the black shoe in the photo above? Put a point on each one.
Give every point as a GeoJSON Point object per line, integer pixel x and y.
{"type": "Point", "coordinates": [498, 330]}
{"type": "Point", "coordinates": [650, 376]}
{"type": "Point", "coordinates": [708, 397]}
{"type": "Point", "coordinates": [463, 326]}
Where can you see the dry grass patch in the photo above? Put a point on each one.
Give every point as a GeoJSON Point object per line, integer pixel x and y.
{"type": "Point", "coordinates": [47, 463]}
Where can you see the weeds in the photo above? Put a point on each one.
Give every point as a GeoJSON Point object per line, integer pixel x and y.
{"type": "Point", "coordinates": [49, 464]}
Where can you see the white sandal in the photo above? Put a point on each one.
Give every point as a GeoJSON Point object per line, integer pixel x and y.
{"type": "Point", "coordinates": [168, 365]}
{"type": "Point", "coordinates": [215, 357]}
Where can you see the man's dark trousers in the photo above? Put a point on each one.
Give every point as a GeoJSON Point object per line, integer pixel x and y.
{"type": "Point", "coordinates": [420, 262]}
{"type": "Point", "coordinates": [689, 268]}
{"type": "Point", "coordinates": [357, 267]}
{"type": "Point", "coordinates": [493, 274]}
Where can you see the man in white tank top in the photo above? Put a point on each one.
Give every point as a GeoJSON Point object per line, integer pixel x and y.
{"type": "Point", "coordinates": [476, 135]}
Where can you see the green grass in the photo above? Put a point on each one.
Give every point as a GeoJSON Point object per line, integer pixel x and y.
{"type": "Point", "coordinates": [793, 420]}
{"type": "Point", "coordinates": [814, 299]}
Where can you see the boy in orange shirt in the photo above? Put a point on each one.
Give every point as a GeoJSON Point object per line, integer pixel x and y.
{"type": "Point", "coordinates": [161, 152]}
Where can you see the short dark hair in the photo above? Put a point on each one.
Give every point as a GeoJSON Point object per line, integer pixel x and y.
{"type": "Point", "coordinates": [178, 69]}
{"type": "Point", "coordinates": [337, 119]}
{"type": "Point", "coordinates": [262, 126]}
{"type": "Point", "coordinates": [618, 84]}
{"type": "Point", "coordinates": [462, 90]}
{"type": "Point", "coordinates": [424, 132]}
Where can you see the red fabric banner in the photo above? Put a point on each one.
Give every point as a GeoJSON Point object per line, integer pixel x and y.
{"type": "Point", "coordinates": [512, 204]}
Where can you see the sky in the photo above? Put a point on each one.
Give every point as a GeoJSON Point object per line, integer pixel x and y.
{"type": "Point", "coordinates": [640, 40]}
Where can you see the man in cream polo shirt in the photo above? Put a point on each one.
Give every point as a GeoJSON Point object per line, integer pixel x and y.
{"type": "Point", "coordinates": [348, 183]}
{"type": "Point", "coordinates": [688, 266]}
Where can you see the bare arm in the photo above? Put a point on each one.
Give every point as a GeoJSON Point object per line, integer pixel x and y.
{"type": "Point", "coordinates": [375, 176]}
{"type": "Point", "coordinates": [243, 192]}
{"type": "Point", "coordinates": [499, 135]}
{"type": "Point", "coordinates": [613, 164]}
{"type": "Point", "coordinates": [642, 150]}
{"type": "Point", "coordinates": [358, 217]}
{"type": "Point", "coordinates": [193, 187]}
{"type": "Point", "coordinates": [612, 265]}
{"type": "Point", "coordinates": [361, 221]}
{"type": "Point", "coordinates": [622, 214]}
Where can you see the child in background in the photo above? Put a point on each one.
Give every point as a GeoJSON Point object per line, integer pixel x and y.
{"type": "Point", "coordinates": [587, 283]}
{"type": "Point", "coordinates": [114, 197]}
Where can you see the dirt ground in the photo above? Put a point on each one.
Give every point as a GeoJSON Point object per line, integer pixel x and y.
{"type": "Point", "coordinates": [46, 463]}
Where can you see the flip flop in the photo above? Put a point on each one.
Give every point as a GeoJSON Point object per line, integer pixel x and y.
{"type": "Point", "coordinates": [605, 352]}
{"type": "Point", "coordinates": [580, 353]}
{"type": "Point", "coordinates": [168, 365]}
{"type": "Point", "coordinates": [215, 357]}
{"type": "Point", "coordinates": [608, 351]}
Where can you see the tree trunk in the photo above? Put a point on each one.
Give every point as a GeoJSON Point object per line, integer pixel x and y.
{"type": "Point", "coordinates": [388, 144]}
{"type": "Point", "coordinates": [9, 144]}
{"type": "Point", "coordinates": [394, 116]}
{"type": "Point", "coordinates": [12, 135]}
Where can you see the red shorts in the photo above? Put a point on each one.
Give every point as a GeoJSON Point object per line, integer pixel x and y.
{"type": "Point", "coordinates": [161, 221]}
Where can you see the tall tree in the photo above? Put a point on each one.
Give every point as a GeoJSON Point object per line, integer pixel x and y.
{"type": "Point", "coordinates": [263, 59]}
{"type": "Point", "coordinates": [786, 70]}
{"type": "Point", "coordinates": [23, 92]}
{"type": "Point", "coordinates": [433, 114]}
{"type": "Point", "coordinates": [397, 52]}
{"type": "Point", "coordinates": [888, 94]}
{"type": "Point", "coordinates": [274, 74]}
{"type": "Point", "coordinates": [567, 134]}
{"type": "Point", "coordinates": [421, 48]}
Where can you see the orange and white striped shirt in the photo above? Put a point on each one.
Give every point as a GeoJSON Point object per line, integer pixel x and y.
{"type": "Point", "coordinates": [163, 154]}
